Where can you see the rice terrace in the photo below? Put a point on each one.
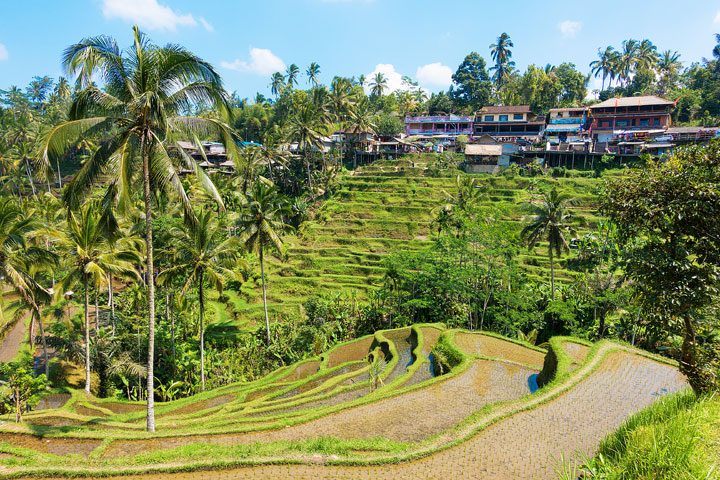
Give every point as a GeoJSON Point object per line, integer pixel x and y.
{"type": "Point", "coordinates": [216, 264]}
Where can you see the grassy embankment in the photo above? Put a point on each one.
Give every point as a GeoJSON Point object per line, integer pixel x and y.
{"type": "Point", "coordinates": [388, 207]}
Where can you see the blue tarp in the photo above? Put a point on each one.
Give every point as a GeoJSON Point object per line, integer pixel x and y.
{"type": "Point", "coordinates": [563, 128]}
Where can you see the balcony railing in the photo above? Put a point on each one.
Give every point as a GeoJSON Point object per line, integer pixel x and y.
{"type": "Point", "coordinates": [440, 119]}
{"type": "Point", "coordinates": [460, 131]}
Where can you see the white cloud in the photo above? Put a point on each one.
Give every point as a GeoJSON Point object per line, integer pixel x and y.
{"type": "Point", "coordinates": [206, 25]}
{"type": "Point", "coordinates": [569, 28]}
{"type": "Point", "coordinates": [148, 14]}
{"type": "Point", "coordinates": [262, 62]}
{"type": "Point", "coordinates": [392, 76]}
{"type": "Point", "coordinates": [3, 52]}
{"type": "Point", "coordinates": [434, 75]}
{"type": "Point", "coordinates": [717, 17]}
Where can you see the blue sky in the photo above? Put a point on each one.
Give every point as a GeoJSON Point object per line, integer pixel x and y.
{"type": "Point", "coordinates": [424, 39]}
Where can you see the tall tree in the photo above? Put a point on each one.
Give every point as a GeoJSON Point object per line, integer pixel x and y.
{"type": "Point", "coordinates": [628, 60]}
{"type": "Point", "coordinates": [205, 258]}
{"type": "Point", "coordinates": [472, 82]}
{"type": "Point", "coordinates": [136, 118]}
{"type": "Point", "coordinates": [261, 227]}
{"type": "Point", "coordinates": [669, 66]}
{"type": "Point", "coordinates": [502, 54]}
{"type": "Point", "coordinates": [604, 65]}
{"type": "Point", "coordinates": [313, 73]}
{"type": "Point", "coordinates": [18, 256]}
{"type": "Point", "coordinates": [277, 83]}
{"type": "Point", "coordinates": [378, 84]}
{"type": "Point", "coordinates": [667, 218]}
{"type": "Point", "coordinates": [550, 224]}
{"type": "Point", "coordinates": [91, 261]}
{"type": "Point", "coordinates": [307, 128]}
{"type": "Point", "coordinates": [291, 75]}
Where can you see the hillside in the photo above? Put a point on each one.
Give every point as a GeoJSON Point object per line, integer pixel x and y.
{"type": "Point", "coordinates": [335, 416]}
{"type": "Point", "coordinates": [388, 207]}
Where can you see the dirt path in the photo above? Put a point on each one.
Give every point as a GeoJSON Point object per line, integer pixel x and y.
{"type": "Point", "coordinates": [526, 445]}
{"type": "Point", "coordinates": [13, 340]}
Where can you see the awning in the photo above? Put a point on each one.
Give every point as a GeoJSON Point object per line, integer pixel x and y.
{"type": "Point", "coordinates": [628, 132]}
{"type": "Point", "coordinates": [650, 146]}
{"type": "Point", "coordinates": [563, 128]}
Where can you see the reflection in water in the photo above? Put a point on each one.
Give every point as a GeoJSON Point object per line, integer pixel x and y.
{"type": "Point", "coordinates": [532, 382]}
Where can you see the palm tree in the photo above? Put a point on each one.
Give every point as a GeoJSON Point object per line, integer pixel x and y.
{"type": "Point", "coordinates": [291, 75]}
{"type": "Point", "coordinates": [18, 259]}
{"type": "Point", "coordinates": [378, 84]}
{"type": "Point", "coordinates": [550, 224]}
{"type": "Point", "coordinates": [669, 65]}
{"type": "Point", "coordinates": [604, 64]}
{"type": "Point", "coordinates": [205, 257]}
{"type": "Point", "coordinates": [92, 260]}
{"type": "Point", "coordinates": [261, 226]}
{"type": "Point", "coordinates": [501, 53]}
{"type": "Point", "coordinates": [307, 128]}
{"type": "Point", "coordinates": [313, 72]}
{"type": "Point", "coordinates": [277, 83]}
{"type": "Point", "coordinates": [628, 59]}
{"type": "Point", "coordinates": [647, 55]}
{"type": "Point", "coordinates": [139, 113]}
{"type": "Point", "coordinates": [341, 101]}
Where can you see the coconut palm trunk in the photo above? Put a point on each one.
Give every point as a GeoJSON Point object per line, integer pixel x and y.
{"type": "Point", "coordinates": [86, 295]}
{"type": "Point", "coordinates": [57, 162]}
{"type": "Point", "coordinates": [552, 274]}
{"type": "Point", "coordinates": [43, 340]}
{"type": "Point", "coordinates": [30, 179]}
{"type": "Point", "coordinates": [264, 289]}
{"type": "Point", "coordinates": [150, 274]}
{"type": "Point", "coordinates": [201, 294]}
{"type": "Point", "coordinates": [111, 302]}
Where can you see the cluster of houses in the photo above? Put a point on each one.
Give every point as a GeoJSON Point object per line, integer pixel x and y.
{"type": "Point", "coordinates": [618, 126]}
{"type": "Point", "coordinates": [496, 135]}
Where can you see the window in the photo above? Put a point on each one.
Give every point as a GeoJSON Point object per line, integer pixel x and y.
{"type": "Point", "coordinates": [621, 123]}
{"type": "Point", "coordinates": [518, 116]}
{"type": "Point", "coordinates": [503, 118]}
{"type": "Point", "coordinates": [656, 122]}
{"type": "Point", "coordinates": [644, 122]}
{"type": "Point", "coordinates": [606, 124]}
{"type": "Point", "coordinates": [489, 118]}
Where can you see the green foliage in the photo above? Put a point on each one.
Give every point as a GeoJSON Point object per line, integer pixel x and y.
{"type": "Point", "coordinates": [675, 438]}
{"type": "Point", "coordinates": [388, 125]}
{"type": "Point", "coordinates": [472, 84]}
{"type": "Point", "coordinates": [665, 216]}
{"type": "Point", "coordinates": [20, 388]}
{"type": "Point", "coordinates": [445, 355]}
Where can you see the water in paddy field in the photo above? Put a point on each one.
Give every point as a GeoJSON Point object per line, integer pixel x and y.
{"type": "Point", "coordinates": [431, 364]}
{"type": "Point", "coordinates": [532, 382]}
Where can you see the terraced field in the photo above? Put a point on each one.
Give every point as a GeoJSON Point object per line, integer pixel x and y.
{"type": "Point", "coordinates": [387, 207]}
{"type": "Point", "coordinates": [323, 418]}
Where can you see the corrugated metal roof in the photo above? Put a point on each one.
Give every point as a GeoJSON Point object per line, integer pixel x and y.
{"type": "Point", "coordinates": [631, 102]}
{"type": "Point", "coordinates": [506, 109]}
{"type": "Point", "coordinates": [489, 150]}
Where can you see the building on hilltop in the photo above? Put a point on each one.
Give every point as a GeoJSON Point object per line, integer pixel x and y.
{"type": "Point", "coordinates": [482, 157]}
{"type": "Point", "coordinates": [508, 123]}
{"type": "Point", "coordinates": [630, 119]}
{"type": "Point", "coordinates": [567, 126]}
{"type": "Point", "coordinates": [439, 125]}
